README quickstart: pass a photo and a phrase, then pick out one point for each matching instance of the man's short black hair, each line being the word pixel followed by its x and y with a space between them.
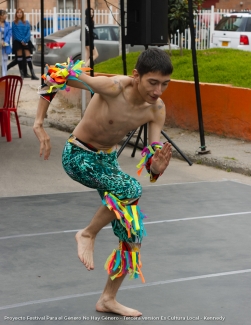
pixel 3 12
pixel 154 60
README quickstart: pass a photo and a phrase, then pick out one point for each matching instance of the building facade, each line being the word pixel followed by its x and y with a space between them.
pixel 237 5
pixel 29 5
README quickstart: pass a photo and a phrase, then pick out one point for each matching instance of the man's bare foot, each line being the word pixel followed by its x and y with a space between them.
pixel 85 245
pixel 112 306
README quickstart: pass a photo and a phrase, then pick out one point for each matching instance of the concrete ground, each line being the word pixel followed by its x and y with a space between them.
pixel 196 257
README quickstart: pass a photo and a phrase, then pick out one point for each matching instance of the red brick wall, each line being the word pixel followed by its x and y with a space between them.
pixel 28 5
pixel 233 4
pixel 101 5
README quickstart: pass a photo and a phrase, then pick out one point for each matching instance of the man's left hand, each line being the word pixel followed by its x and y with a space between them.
pixel 161 158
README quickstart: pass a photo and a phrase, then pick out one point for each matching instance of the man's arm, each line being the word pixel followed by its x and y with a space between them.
pixel 73 74
pixel 106 86
pixel 43 137
pixel 160 159
pixel 157 123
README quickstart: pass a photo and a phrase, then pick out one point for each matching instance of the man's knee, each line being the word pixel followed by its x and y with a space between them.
pixel 133 192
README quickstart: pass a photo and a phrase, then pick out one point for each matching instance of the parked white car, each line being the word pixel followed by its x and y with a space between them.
pixel 233 31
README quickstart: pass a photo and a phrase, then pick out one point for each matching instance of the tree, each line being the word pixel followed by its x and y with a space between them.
pixel 178 18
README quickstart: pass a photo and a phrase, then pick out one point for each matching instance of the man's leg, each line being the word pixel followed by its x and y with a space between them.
pixel 76 163
pixel 107 302
pixel 125 259
pixel 86 237
pixel 85 242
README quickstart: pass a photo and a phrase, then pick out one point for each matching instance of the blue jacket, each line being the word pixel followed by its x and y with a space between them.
pixel 7 37
pixel 21 32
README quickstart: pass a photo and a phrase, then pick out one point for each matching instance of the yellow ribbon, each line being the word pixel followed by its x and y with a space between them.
pixel 136 217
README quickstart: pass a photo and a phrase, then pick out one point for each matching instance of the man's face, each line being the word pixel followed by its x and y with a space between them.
pixel 3 17
pixel 151 85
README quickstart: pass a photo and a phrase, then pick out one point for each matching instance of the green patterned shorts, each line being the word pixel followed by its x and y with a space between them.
pixel 101 171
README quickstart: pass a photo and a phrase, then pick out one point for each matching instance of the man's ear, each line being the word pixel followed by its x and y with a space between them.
pixel 136 75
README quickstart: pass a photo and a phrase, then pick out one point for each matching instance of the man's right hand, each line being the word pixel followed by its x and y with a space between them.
pixel 44 139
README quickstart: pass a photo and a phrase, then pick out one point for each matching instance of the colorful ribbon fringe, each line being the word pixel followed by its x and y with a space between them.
pixel 124 261
pixel 58 74
pixel 147 154
pixel 130 216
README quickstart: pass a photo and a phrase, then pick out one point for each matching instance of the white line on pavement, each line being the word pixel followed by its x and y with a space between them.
pixel 150 284
pixel 146 223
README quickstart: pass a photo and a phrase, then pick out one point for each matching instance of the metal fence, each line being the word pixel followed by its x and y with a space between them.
pixel 54 20
pixel 204 22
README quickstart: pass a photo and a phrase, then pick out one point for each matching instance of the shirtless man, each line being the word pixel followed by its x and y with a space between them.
pixel 120 104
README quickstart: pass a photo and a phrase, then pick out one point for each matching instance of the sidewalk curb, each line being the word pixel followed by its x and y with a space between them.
pixel 29 121
pixel 211 161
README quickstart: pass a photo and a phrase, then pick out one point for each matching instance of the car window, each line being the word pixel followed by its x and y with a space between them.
pixel 103 33
pixel 64 32
pixel 233 24
pixel 248 25
pixel 116 33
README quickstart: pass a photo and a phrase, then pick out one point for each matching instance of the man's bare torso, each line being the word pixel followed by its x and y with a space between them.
pixel 108 119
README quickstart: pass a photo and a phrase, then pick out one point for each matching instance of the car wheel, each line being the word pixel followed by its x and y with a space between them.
pixel 78 57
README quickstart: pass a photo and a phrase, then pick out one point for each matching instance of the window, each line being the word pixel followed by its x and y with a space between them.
pixel 103 33
pixel 116 32
pixel 232 24
pixel 66 5
pixel 12 4
pixel 248 26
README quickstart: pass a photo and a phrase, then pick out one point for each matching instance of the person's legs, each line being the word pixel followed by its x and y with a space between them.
pixel 101 171
pixel 107 302
pixel 87 56
pixel 29 62
pixel 12 63
pixel 20 62
pixel 85 238
pixel 122 199
pixel 26 75
pixel 95 53
pixel 85 167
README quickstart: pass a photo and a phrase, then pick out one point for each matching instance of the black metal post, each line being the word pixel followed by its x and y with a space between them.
pixel 177 148
pixel 123 46
pixel 42 38
pixel 136 145
pixel 196 79
pixel 126 142
pixel 91 41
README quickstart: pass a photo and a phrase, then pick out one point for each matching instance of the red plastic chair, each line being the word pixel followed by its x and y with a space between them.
pixel 11 87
